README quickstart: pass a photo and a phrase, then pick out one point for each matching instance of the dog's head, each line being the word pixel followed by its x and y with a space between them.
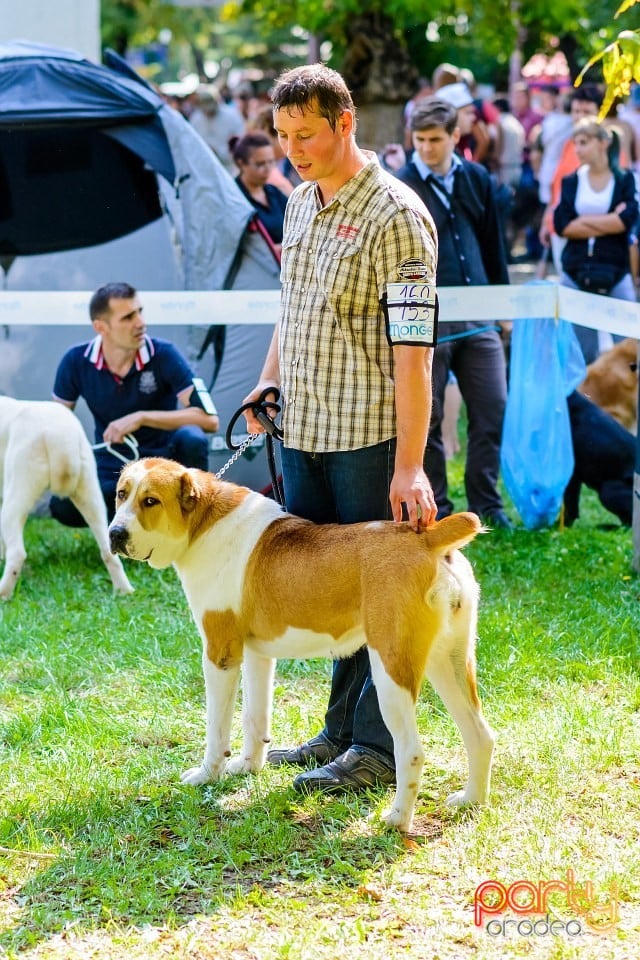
pixel 157 502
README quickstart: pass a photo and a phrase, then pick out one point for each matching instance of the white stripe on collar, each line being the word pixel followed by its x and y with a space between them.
pixel 95 354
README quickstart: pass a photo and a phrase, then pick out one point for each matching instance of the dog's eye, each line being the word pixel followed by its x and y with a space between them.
pixel 120 495
pixel 150 501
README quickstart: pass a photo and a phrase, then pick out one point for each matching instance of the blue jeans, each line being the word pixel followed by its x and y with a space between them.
pixel 188 445
pixel 346 487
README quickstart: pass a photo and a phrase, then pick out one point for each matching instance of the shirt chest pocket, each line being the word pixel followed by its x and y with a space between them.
pixel 339 270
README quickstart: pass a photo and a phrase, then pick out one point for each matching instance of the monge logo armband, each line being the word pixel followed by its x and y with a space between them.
pixel 411 314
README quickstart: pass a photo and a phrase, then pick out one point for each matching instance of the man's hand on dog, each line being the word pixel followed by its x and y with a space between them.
pixel 411 487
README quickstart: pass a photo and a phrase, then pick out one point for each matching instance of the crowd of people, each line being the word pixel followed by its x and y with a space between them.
pixel 364 241
pixel 523 139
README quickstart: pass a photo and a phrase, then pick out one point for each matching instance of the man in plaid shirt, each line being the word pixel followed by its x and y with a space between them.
pixel 352 357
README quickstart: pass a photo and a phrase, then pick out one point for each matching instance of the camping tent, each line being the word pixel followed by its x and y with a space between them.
pixel 101 180
pixel 89 154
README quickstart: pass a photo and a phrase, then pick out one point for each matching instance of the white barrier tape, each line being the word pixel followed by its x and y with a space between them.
pixel 599 313
pixel 203 308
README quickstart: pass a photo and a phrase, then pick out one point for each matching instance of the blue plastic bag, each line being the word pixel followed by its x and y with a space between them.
pixel 537 453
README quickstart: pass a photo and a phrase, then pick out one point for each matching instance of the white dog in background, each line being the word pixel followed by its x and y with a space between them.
pixel 43 446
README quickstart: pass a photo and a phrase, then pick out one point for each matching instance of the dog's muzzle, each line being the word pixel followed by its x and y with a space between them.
pixel 118 537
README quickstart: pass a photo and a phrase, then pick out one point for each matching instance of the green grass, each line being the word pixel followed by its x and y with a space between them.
pixel 101 708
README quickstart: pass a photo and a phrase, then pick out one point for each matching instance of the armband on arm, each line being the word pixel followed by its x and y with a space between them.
pixel 411 314
pixel 200 397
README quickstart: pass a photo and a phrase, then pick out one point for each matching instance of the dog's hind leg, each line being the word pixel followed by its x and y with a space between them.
pixel 257 697
pixel 451 670
pixel 12 520
pixel 89 501
pixel 20 491
pixel 398 709
pixel 221 690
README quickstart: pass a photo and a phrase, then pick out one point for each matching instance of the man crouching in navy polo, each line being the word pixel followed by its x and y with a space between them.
pixel 135 387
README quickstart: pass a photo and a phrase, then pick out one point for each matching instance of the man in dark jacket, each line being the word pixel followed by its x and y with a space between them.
pixel 460 197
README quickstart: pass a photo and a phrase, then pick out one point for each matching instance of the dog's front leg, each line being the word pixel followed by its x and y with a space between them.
pixel 257 697
pixel 221 688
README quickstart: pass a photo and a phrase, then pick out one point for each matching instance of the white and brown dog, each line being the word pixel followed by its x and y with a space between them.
pixel 43 446
pixel 263 584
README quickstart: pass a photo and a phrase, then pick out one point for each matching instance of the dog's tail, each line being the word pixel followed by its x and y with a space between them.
pixel 454 532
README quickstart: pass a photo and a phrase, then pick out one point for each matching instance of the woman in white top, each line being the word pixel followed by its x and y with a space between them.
pixel 597 213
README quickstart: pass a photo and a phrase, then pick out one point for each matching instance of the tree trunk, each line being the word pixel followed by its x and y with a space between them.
pixel 198 59
pixel 569 46
pixel 381 77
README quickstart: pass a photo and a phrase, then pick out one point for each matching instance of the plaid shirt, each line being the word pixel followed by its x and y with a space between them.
pixel 336 364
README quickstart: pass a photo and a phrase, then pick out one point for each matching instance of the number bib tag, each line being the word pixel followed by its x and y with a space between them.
pixel 411 313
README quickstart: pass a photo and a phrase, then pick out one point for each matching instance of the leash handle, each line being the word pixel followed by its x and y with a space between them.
pixel 259 408
pixel 128 440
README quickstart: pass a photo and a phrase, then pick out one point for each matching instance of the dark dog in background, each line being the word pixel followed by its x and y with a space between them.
pixel 604 455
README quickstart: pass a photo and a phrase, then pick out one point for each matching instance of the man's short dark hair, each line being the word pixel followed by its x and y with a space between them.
pixel 313 87
pixel 99 303
pixel 588 93
pixel 433 112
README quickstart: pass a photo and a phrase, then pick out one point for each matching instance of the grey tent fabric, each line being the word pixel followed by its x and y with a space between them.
pixel 101 180
pixel 63 187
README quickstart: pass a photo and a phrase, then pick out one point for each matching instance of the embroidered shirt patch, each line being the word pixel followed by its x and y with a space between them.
pixel 347 232
pixel 412 269
pixel 147 382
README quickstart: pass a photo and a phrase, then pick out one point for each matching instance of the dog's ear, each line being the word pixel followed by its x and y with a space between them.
pixel 189 493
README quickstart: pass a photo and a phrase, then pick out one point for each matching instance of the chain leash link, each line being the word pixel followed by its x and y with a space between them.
pixel 238 453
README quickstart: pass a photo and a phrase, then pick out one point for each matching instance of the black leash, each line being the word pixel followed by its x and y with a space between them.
pixel 259 408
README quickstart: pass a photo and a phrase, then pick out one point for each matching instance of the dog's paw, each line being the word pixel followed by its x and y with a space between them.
pixel 198 775
pixel 461 798
pixel 243 764
pixel 399 819
pixel 123 589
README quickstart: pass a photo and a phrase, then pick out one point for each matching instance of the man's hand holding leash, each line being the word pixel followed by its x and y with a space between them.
pixel 265 390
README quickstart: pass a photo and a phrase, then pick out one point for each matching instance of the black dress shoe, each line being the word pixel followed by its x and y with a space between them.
pixel 316 750
pixel 354 770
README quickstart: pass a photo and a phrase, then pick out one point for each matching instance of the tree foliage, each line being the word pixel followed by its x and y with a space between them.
pixel 199 35
pixel 481 34
pixel 620 62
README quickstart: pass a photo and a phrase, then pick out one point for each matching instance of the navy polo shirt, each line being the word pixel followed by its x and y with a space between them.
pixel 158 374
